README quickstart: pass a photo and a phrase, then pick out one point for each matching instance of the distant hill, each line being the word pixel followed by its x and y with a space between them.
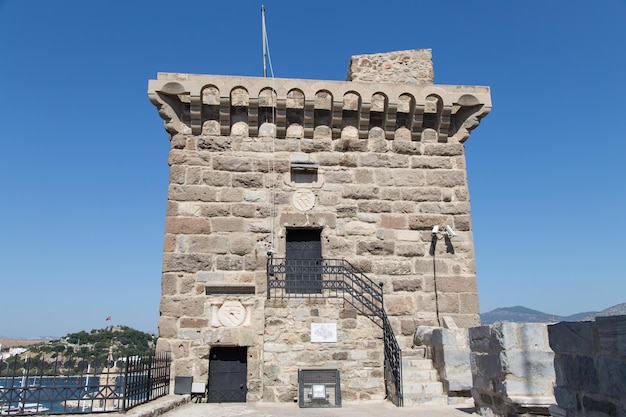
pixel 522 314
pixel 93 345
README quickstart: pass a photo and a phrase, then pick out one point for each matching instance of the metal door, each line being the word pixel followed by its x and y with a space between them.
pixel 304 261
pixel 228 371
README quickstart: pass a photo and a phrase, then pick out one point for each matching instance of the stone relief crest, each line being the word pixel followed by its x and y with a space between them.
pixel 303 200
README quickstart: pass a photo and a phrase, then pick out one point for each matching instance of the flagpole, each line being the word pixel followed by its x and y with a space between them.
pixel 264 41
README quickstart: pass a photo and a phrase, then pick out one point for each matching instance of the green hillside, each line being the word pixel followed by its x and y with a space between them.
pixel 94 345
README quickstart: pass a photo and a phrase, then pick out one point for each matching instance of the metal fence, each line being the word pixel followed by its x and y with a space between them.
pixel 37 385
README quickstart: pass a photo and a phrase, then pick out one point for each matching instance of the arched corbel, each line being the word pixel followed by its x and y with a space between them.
pixel 467 113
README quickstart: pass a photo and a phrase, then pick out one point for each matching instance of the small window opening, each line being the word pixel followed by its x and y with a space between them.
pixel 303 174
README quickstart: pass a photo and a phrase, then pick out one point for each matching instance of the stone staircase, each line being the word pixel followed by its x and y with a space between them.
pixel 420 383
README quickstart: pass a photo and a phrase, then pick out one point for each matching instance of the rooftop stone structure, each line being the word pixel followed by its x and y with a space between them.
pixel 279 183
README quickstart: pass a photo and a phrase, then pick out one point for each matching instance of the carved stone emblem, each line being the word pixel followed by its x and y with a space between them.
pixel 303 200
pixel 232 314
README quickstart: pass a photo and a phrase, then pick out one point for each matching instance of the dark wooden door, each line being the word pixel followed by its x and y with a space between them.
pixel 304 259
pixel 228 374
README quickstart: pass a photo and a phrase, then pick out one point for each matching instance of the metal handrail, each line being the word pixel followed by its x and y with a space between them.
pixel 338 278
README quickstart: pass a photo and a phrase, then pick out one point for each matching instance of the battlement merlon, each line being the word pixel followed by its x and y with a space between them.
pixel 254 106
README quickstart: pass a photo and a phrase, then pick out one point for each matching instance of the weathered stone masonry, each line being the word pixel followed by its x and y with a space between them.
pixel 385 163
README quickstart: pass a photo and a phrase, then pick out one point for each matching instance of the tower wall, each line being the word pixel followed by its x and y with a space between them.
pixel 383 163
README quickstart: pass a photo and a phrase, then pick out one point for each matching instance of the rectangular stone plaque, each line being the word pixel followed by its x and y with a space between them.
pixel 323 332
pixel 229 289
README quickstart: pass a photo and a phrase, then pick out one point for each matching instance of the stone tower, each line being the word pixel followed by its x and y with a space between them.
pixel 300 222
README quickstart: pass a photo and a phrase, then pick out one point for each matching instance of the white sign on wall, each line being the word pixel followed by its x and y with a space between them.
pixel 323 332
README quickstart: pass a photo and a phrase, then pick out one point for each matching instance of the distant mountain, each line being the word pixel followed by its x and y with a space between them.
pixel 522 314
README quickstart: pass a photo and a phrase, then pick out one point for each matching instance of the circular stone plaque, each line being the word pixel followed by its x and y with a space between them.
pixel 231 314
pixel 303 200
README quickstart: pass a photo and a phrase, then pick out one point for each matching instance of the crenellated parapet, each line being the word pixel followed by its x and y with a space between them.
pixel 293 108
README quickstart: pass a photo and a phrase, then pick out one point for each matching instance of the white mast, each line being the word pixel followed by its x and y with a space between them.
pixel 264 41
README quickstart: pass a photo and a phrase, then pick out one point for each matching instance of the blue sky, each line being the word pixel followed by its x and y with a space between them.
pixel 84 153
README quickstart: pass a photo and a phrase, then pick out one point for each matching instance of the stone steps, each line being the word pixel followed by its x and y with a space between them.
pixel 420 384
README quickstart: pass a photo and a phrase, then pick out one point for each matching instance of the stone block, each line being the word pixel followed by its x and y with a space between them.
pixel 443 149
pixel 612 334
pixel 375 247
pixel 210 277
pixel 168 327
pixel 565 398
pixel 390 193
pixel 457 358
pixel 410 249
pixel 534 337
pixel 216 178
pixel 431 162
pixel 572 337
pixel 612 373
pixel 528 364
pixel 392 267
pixel 412 67
pixel 448 303
pixel 339 177
pixel 394 221
pixel 232 163
pixel 194 323
pixel 360 192
pixel 169 284
pixel 487 364
pixel 214 210
pixel 538 388
pixel 230 195
pixel 240 244
pixel 180 262
pixel 421 194
pixel 577 372
pixel 178 306
pixel 192 193
pixel 229 262
pixel 374 206
pixel 186 157
pixel 447 178
pixel 403 207
pixel 407 284
pixel 208 244
pixel 469 303
pixel 399 305
pixel 425 221
pixel 481 383
pixel 187 225
pixel 227 224
pixel 408 178
pixel 360 228
pixel 255 196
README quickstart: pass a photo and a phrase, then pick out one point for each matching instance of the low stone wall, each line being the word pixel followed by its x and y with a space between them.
pixel 512 369
pixel 590 364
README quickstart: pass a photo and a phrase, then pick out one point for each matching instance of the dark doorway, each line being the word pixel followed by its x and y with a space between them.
pixel 228 375
pixel 304 261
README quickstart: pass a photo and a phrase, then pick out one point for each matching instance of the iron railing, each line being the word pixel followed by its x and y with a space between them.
pixel 72 386
pixel 338 278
